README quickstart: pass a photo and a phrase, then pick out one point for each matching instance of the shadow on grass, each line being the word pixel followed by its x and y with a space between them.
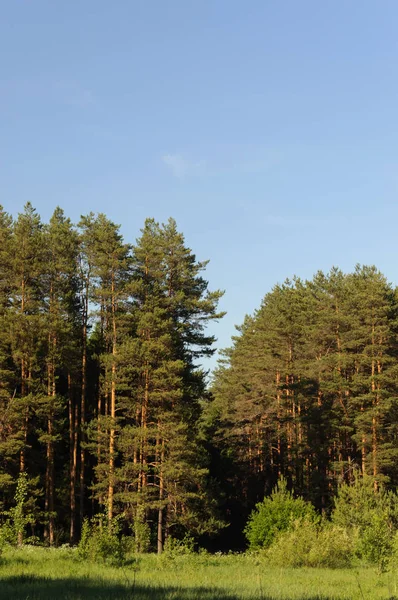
pixel 40 588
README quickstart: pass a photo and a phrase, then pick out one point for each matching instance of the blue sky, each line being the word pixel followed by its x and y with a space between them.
pixel 267 129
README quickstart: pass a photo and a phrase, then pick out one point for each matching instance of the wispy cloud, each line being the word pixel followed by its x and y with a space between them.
pixel 221 160
pixel 182 167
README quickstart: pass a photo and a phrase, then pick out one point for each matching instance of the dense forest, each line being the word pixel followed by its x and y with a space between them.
pixel 106 407
pixel 309 390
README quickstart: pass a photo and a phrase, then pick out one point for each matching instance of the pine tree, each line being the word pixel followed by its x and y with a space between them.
pixel 27 330
pixel 9 442
pixel 26 313
pixel 86 227
pixel 62 329
pixel 110 264
pixel 171 307
pixel 373 351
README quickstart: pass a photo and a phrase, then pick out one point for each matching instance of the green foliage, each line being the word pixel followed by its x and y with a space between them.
pixel 14 528
pixel 393 558
pixel 363 526
pixel 356 503
pixel 375 544
pixel 6 536
pixel 371 517
pixel 309 387
pixel 174 548
pixel 142 536
pixel 309 544
pixel 100 352
pixel 101 541
pixel 275 514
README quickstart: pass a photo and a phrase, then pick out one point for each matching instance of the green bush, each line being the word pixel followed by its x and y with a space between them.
pixel 310 544
pixel 13 530
pixel 7 535
pixel 371 517
pixel 3 541
pixel 142 536
pixel 375 543
pixel 101 542
pixel 174 548
pixel 276 514
pixel 393 558
pixel 176 551
pixel 356 503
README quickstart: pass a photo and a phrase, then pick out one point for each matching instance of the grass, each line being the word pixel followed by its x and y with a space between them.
pixel 57 574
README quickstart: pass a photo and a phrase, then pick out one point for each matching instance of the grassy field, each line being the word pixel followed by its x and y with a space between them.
pixel 40 573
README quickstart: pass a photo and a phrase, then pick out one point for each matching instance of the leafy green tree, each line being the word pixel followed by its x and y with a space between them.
pixel 275 514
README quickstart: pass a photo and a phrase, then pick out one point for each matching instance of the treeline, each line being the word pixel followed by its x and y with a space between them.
pixel 104 405
pixel 100 392
pixel 309 390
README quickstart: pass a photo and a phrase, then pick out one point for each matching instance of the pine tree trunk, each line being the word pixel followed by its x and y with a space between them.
pixel 25 421
pixel 51 481
pixel 49 502
pixel 23 391
pixel 375 428
pixel 83 408
pixel 363 452
pixel 278 420
pixel 73 460
pixel 343 442
pixel 144 410
pixel 113 410
pixel 99 413
pixel 161 497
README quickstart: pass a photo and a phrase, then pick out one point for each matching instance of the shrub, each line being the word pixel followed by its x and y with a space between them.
pixel 3 540
pixel 371 516
pixel 175 552
pixel 276 514
pixel 310 544
pixel 7 534
pixel 174 548
pixel 393 558
pixel 376 540
pixel 142 536
pixel 356 503
pixel 101 541
pixel 14 528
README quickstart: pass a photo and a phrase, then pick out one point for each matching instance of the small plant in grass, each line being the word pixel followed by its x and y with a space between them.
pixel 276 514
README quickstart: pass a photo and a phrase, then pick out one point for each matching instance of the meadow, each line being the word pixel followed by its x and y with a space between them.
pixel 32 573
